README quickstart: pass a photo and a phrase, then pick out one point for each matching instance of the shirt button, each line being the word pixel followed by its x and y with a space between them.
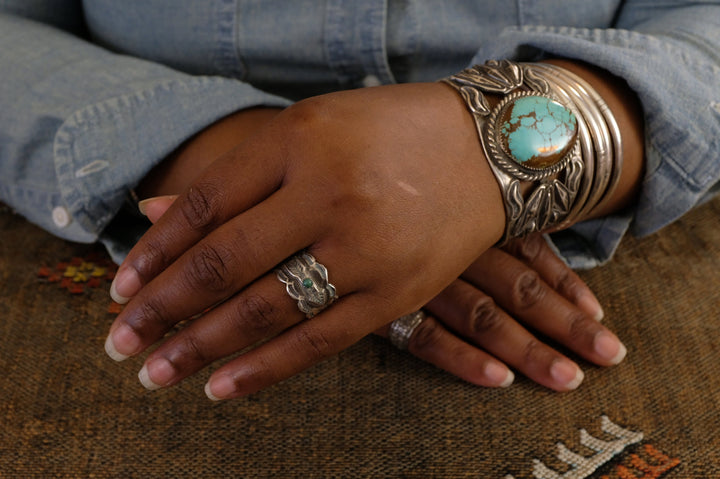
pixel 371 80
pixel 61 217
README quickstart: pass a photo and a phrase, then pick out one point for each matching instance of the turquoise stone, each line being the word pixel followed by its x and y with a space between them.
pixel 537 131
pixel 307 282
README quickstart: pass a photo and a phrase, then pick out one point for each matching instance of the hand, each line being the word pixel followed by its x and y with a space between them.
pixel 471 335
pixel 475 327
pixel 387 187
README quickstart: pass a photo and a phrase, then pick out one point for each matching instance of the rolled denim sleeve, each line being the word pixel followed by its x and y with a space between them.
pixel 63 14
pixel 669 54
pixel 82 126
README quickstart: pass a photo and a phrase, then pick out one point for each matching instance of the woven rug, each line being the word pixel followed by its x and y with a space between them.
pixel 67 410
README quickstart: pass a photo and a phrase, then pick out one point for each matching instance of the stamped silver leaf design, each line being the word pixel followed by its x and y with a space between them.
pixel 475 100
pixel 498 76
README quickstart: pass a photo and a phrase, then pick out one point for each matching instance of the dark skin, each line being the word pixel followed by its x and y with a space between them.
pixel 331 175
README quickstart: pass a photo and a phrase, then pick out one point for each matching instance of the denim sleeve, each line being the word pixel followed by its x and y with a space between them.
pixel 82 126
pixel 669 54
pixel 63 14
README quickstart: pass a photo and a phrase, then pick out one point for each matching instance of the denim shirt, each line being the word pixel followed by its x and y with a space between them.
pixel 95 93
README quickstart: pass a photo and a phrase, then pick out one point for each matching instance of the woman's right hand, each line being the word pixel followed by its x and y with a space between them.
pixel 386 186
pixel 484 325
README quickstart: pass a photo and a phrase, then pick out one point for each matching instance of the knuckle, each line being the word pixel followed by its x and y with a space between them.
pixel 262 372
pixel 305 121
pixel 254 314
pixel 316 343
pixel 200 207
pixel 151 316
pixel 152 260
pixel 527 249
pixel 580 326
pixel 426 335
pixel 485 316
pixel 210 267
pixel 527 290
pixel 191 351
pixel 308 114
pixel 567 284
pixel 532 352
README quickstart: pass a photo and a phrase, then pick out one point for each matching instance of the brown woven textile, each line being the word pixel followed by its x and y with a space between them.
pixel 69 411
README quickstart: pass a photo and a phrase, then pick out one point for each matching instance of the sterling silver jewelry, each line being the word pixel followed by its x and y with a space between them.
pixel 306 281
pixel 603 129
pixel 402 328
pixel 551 142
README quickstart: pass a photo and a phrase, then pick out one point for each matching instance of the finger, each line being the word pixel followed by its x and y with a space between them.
pixel 475 316
pixel 155 207
pixel 431 342
pixel 536 253
pixel 259 312
pixel 521 292
pixel 237 181
pixel 298 348
pixel 216 268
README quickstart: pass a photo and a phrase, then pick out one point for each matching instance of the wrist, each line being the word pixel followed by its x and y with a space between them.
pixel 626 109
pixel 552 141
pixel 490 209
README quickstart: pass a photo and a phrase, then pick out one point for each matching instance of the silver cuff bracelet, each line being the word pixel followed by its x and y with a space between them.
pixel 551 142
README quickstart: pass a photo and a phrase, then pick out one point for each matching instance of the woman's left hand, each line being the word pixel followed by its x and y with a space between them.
pixel 487 321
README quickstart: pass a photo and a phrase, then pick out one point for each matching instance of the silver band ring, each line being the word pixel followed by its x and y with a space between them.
pixel 402 328
pixel 306 281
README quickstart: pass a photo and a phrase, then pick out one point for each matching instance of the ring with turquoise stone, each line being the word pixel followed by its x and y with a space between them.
pixel 306 281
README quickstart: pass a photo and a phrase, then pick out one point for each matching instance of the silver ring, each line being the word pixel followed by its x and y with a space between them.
pixel 306 281
pixel 402 328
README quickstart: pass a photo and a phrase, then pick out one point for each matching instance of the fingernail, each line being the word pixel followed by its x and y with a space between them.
pixel 499 375
pixel 162 373
pixel 589 303
pixel 567 374
pixel 220 387
pixel 609 347
pixel 112 352
pixel 125 285
pixel 209 393
pixel 143 205
pixel 145 380
pixel 122 343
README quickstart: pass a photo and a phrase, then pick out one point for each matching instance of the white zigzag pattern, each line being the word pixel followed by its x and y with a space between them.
pixel 582 467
